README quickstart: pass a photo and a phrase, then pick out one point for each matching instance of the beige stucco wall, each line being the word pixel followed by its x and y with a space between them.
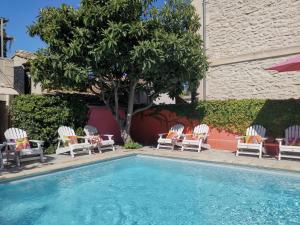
pixel 243 38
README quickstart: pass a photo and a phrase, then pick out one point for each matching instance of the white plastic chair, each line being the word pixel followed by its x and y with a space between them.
pixel 201 129
pixel 168 142
pixel 65 132
pixel 252 148
pixel 108 143
pixel 287 150
pixel 27 154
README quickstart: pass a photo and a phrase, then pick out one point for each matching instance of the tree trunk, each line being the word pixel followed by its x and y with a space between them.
pixel 125 129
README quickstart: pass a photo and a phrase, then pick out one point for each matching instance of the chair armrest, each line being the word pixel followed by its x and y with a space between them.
pixel 10 143
pixel 280 140
pixel 162 134
pixel 109 136
pixel 239 137
pixel 37 141
pixel 263 139
pixel 84 137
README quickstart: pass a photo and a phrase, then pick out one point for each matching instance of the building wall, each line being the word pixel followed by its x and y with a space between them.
pixel 243 38
pixel 6 81
pixel 6 73
pixel 250 80
pixel 19 74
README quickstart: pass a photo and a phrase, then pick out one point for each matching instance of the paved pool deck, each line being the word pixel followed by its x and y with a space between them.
pixel 59 162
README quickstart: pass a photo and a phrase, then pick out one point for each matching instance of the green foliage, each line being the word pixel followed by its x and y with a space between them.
pixel 132 145
pixel 41 116
pixel 236 115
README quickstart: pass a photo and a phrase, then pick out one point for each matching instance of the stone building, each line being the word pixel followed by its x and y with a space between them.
pixel 243 38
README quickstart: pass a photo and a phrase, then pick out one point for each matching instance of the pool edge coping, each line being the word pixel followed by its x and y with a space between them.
pixel 137 153
pixel 54 170
pixel 278 170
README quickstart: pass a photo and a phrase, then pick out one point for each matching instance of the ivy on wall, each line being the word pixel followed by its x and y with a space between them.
pixel 236 115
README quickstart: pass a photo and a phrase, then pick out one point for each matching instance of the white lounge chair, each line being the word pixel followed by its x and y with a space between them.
pixel 67 147
pixel 12 135
pixel 288 150
pixel 252 148
pixel 194 141
pixel 167 142
pixel 93 133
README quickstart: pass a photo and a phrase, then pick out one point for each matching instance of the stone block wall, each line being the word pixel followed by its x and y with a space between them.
pixel 250 80
pixel 237 27
pixel 243 38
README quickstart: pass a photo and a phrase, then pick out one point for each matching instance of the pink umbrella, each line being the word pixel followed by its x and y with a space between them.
pixel 292 64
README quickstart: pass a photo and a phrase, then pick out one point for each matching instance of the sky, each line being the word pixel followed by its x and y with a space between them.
pixel 22 13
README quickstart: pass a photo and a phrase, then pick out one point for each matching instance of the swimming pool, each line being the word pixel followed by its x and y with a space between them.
pixel 142 190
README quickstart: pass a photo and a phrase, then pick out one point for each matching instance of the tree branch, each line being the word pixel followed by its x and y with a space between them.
pixel 142 109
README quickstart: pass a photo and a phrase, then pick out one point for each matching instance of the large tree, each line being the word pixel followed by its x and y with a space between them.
pixel 118 47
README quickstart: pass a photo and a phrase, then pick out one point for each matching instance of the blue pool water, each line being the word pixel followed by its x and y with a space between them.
pixel 142 190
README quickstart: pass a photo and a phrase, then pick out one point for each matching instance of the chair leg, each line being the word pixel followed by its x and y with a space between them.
pixel 42 156
pixel 113 148
pixel 200 144
pixel 158 146
pixel 18 159
pixel 173 146
pixel 279 155
pixel 90 151
pixel 237 152
pixel 260 153
pixel 72 153
pixel 182 148
pixel 199 148
pixel 1 160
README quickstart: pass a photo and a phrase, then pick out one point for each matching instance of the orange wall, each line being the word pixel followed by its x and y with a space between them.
pixel 146 126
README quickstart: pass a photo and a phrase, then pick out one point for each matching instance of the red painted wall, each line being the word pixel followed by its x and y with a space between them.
pixel 103 120
pixel 148 124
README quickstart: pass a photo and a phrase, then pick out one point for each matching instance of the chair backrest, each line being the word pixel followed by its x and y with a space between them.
pixel 14 133
pixel 90 130
pixel 292 132
pixel 201 129
pixel 64 131
pixel 178 128
pixel 255 130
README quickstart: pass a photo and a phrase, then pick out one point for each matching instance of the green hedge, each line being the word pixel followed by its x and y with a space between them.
pixel 236 115
pixel 41 116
